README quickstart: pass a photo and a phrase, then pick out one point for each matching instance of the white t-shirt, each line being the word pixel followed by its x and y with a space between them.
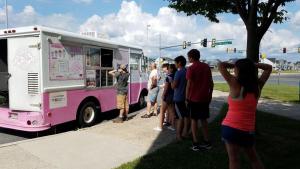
pixel 154 73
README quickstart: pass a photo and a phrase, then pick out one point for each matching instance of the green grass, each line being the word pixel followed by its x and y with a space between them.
pixel 286 71
pixel 283 93
pixel 278 146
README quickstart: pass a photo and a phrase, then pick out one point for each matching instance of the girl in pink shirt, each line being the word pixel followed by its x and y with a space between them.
pixel 239 124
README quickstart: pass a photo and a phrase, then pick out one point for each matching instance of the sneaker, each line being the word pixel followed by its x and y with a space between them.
pixel 206 145
pixel 166 124
pixel 125 118
pixel 147 115
pixel 157 129
pixel 195 147
pixel 118 120
pixel 171 128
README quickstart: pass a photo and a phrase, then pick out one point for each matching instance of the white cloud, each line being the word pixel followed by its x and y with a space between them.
pixel 83 1
pixel 129 25
pixel 29 16
pixel 295 20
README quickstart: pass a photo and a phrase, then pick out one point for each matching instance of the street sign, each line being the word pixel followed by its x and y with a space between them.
pixel 224 43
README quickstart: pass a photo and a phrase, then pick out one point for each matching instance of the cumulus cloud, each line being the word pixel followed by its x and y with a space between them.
pixel 296 20
pixel 129 25
pixel 29 16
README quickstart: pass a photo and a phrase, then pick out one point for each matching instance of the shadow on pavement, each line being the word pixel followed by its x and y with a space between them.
pixel 15 135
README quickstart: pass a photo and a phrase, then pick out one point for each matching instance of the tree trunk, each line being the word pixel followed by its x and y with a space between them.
pixel 253 44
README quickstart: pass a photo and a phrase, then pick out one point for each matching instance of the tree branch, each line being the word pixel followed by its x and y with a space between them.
pixel 265 26
pixel 267 11
pixel 241 10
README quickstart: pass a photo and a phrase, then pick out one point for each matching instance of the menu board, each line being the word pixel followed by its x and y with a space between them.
pixel 65 62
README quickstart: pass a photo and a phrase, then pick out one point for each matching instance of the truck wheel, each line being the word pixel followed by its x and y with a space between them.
pixel 142 101
pixel 87 114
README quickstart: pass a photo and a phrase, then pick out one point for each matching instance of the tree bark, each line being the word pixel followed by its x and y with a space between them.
pixel 253 44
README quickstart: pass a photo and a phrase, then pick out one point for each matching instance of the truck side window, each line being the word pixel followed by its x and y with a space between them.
pixel 107 56
pixel 92 67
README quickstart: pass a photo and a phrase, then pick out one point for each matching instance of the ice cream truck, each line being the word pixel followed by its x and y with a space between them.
pixel 49 77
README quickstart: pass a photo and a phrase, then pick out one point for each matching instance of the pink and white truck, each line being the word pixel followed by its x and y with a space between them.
pixel 49 77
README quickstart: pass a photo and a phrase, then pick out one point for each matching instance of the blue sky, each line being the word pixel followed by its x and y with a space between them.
pixel 127 21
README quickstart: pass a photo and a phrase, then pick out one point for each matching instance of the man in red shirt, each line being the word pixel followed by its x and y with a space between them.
pixel 199 94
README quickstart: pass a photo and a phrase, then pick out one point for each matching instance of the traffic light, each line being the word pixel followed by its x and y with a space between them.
pixel 213 43
pixel 234 50
pixel 205 42
pixel 184 45
pixel 284 50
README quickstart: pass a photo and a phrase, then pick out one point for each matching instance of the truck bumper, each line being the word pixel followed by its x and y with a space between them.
pixel 21 120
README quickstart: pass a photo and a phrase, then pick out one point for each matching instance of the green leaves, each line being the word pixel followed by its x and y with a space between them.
pixel 211 8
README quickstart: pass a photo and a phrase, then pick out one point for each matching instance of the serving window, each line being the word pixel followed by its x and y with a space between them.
pixel 98 63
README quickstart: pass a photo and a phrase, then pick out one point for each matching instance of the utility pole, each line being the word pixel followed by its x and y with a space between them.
pixel 148 26
pixel 159 45
pixel 6 13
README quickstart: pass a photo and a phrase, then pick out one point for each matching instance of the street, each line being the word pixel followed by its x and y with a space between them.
pixel 287 79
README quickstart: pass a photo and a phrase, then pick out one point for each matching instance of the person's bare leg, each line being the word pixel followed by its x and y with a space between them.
pixel 179 125
pixel 122 113
pixel 187 126
pixel 149 105
pixel 163 109
pixel 253 157
pixel 171 112
pixel 155 108
pixel 194 126
pixel 233 155
pixel 204 126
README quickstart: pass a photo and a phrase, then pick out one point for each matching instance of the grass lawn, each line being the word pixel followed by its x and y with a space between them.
pixel 286 71
pixel 278 146
pixel 283 93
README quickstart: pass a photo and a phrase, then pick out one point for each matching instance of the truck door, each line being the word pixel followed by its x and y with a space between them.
pixel 24 69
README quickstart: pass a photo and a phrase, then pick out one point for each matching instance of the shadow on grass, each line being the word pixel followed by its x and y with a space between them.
pixel 277 144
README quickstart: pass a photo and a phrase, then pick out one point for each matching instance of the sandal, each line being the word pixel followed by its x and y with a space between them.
pixel 145 116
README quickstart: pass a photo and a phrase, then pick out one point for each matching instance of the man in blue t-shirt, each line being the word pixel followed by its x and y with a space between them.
pixel 179 85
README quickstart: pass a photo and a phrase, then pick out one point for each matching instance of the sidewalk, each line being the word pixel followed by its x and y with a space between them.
pixel 103 146
pixel 289 110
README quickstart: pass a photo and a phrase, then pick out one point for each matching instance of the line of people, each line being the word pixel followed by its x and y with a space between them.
pixel 188 93
pixel 184 98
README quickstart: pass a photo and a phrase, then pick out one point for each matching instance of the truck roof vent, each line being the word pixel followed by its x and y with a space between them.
pixel 33 83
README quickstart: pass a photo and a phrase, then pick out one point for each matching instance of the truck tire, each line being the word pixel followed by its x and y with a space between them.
pixel 142 101
pixel 87 114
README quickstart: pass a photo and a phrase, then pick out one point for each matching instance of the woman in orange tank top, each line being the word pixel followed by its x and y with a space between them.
pixel 239 124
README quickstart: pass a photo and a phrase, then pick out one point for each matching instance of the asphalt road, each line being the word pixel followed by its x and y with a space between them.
pixel 288 79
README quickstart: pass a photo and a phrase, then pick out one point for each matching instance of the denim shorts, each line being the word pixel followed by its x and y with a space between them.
pixel 152 95
pixel 238 137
